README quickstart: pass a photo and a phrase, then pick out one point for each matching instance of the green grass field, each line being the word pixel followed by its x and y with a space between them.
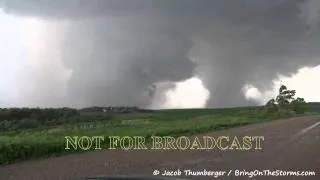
pixel 50 141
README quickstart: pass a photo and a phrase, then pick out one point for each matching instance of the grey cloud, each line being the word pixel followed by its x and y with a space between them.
pixel 117 49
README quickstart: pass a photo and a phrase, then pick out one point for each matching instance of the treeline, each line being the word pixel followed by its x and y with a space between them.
pixel 314 106
pixel 26 118
pixel 36 113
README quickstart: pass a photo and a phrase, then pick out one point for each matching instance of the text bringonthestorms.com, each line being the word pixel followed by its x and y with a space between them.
pixel 235 173
pixel 222 143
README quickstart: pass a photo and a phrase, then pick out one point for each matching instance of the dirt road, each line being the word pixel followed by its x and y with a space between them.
pixel 290 144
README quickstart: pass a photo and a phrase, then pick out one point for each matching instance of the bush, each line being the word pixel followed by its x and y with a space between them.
pixel 5 125
pixel 299 106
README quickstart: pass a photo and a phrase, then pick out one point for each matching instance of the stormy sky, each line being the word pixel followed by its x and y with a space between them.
pixel 136 52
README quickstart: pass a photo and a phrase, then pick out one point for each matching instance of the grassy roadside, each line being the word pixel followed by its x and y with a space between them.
pixel 43 142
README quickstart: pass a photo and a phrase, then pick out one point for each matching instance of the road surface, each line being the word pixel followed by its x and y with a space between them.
pixel 289 144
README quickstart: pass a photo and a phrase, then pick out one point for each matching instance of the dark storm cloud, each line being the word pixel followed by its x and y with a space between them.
pixel 118 49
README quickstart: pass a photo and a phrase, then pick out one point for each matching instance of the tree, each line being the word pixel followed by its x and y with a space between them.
pixel 285 96
pixel 285 101
pixel 271 106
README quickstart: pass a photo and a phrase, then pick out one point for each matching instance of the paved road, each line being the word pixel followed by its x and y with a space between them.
pixel 290 144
